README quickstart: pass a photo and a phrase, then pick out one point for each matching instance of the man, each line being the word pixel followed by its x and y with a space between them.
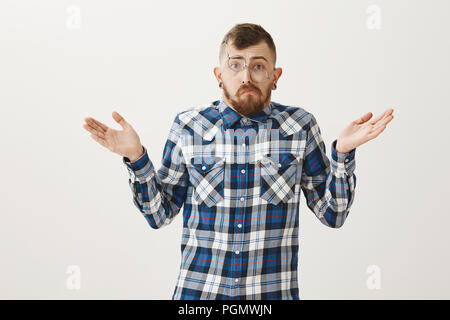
pixel 237 165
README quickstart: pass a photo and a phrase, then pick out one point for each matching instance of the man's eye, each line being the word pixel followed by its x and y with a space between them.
pixel 259 67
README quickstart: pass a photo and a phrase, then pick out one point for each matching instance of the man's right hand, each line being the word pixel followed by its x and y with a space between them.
pixel 125 142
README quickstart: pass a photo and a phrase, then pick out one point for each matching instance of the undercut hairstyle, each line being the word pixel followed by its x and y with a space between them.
pixel 244 35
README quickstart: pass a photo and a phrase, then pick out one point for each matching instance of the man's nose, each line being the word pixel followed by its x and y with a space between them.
pixel 246 77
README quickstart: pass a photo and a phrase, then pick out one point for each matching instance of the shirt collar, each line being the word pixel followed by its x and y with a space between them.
pixel 230 116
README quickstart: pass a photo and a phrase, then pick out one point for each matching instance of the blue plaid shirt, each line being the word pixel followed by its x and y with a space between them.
pixel 239 179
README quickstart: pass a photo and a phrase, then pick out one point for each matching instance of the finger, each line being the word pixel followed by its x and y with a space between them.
pixel 384 121
pixel 97 123
pixel 364 118
pixel 381 116
pixel 93 130
pixel 375 120
pixel 376 132
pixel 119 119
pixel 89 128
pixel 99 140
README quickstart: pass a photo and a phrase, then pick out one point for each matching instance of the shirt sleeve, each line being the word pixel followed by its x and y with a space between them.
pixel 159 195
pixel 329 188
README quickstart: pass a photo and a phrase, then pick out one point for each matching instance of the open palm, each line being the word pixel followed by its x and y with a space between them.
pixel 360 131
pixel 124 142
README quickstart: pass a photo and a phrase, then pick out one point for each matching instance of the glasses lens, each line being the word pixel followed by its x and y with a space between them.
pixel 236 64
pixel 259 72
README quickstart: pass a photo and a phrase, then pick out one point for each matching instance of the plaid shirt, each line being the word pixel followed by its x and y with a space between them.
pixel 239 180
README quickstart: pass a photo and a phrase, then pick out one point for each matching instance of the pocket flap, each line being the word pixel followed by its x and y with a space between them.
pixel 287 159
pixel 206 164
pixel 278 160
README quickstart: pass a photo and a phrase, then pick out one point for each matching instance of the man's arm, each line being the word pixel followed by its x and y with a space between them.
pixel 329 188
pixel 159 195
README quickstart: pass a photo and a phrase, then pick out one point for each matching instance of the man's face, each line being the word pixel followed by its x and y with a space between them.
pixel 236 84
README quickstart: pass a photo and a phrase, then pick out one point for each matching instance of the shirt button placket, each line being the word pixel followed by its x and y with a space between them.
pixel 239 235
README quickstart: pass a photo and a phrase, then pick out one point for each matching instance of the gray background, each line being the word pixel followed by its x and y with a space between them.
pixel 65 199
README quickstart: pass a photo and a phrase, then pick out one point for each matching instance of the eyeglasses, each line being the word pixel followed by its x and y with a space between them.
pixel 258 69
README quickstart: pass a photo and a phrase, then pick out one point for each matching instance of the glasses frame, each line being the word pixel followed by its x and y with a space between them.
pixel 246 67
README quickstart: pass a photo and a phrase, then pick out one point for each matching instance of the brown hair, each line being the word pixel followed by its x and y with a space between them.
pixel 244 35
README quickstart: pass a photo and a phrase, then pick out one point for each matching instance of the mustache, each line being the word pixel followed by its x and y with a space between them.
pixel 243 88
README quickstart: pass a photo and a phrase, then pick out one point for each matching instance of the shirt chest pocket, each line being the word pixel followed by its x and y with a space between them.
pixel 206 174
pixel 278 177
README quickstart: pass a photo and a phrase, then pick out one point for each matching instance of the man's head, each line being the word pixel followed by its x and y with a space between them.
pixel 247 60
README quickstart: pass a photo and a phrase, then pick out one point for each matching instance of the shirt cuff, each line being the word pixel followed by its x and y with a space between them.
pixel 140 170
pixel 342 162
pixel 134 164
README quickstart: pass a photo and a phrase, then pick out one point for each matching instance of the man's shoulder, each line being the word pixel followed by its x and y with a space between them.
pixel 207 106
pixel 203 109
pixel 291 118
pixel 200 119
pixel 287 110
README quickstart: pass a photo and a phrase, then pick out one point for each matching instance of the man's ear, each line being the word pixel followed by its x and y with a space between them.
pixel 218 73
pixel 277 74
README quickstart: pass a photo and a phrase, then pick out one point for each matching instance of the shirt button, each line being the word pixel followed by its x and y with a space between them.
pixel 242 199
pixel 203 168
pixel 236 280
pixel 237 252
pixel 239 225
pixel 243 144
pixel 347 160
pixel 279 165
pixel 243 170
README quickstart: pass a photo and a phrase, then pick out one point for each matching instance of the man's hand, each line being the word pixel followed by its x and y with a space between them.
pixel 360 131
pixel 125 143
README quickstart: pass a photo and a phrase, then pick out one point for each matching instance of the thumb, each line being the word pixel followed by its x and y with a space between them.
pixel 119 119
pixel 364 118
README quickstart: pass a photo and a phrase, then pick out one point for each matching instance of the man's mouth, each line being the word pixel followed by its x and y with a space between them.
pixel 249 91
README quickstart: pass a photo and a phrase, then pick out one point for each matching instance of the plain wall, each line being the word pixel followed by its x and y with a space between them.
pixel 65 200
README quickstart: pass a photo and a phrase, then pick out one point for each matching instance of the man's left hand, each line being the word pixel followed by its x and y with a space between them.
pixel 360 131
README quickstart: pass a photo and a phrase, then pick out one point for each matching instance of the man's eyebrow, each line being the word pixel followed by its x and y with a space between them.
pixel 254 57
